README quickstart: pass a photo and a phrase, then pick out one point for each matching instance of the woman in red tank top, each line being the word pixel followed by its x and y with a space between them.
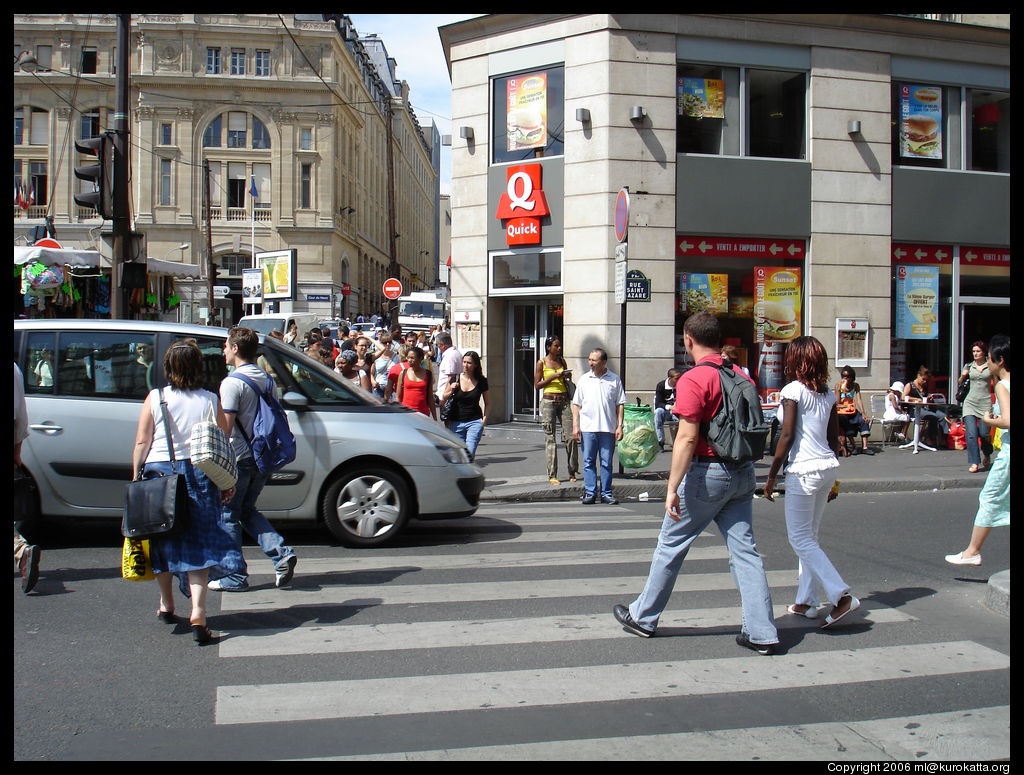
pixel 414 385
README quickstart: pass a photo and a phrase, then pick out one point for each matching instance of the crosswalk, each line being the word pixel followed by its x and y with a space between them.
pixel 504 620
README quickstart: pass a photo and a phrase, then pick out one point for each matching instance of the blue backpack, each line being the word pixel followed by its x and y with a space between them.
pixel 272 443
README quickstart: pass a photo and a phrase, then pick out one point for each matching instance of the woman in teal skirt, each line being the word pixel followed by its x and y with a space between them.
pixel 994 500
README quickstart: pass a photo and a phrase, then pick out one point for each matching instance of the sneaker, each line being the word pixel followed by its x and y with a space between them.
pixel 219 585
pixel 768 649
pixel 609 499
pixel 29 567
pixel 284 575
pixel 623 617
pixel 867 451
pixel 588 499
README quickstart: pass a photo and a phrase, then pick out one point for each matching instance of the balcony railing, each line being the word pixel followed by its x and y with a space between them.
pixel 35 211
pixel 262 214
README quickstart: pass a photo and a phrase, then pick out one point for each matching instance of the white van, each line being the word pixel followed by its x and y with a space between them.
pixel 280 321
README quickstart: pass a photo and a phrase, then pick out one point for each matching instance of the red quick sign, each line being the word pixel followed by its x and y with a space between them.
pixel 523 204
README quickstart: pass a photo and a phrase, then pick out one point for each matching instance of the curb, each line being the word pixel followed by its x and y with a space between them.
pixel 998 595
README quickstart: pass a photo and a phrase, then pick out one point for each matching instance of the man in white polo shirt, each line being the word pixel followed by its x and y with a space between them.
pixel 597 411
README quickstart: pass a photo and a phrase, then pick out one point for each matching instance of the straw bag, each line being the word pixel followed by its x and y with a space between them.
pixel 212 452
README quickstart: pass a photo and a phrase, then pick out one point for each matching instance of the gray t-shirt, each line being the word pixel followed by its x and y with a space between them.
pixel 238 398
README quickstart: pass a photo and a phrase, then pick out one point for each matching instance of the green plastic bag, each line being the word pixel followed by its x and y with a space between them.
pixel 639 445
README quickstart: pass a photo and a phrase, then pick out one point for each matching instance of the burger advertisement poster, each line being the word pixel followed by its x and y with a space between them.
pixel 777 294
pixel 920 122
pixel 527 106
pixel 917 302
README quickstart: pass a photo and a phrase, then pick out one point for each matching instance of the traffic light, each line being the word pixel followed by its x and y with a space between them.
pixel 101 174
pixel 214 272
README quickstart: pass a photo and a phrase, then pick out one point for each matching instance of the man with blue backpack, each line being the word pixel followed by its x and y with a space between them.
pixel 262 446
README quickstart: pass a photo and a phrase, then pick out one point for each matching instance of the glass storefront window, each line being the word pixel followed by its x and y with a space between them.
pixel 710 113
pixel 529 115
pixel 907 355
pixel 525 272
pixel 990 130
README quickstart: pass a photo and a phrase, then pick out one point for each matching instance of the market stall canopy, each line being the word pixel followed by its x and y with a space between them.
pixel 55 257
pixel 92 258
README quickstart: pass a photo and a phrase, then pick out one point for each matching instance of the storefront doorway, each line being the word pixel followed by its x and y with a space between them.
pixel 530 324
pixel 981 318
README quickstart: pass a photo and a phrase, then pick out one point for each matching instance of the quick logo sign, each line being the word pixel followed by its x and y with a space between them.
pixel 523 205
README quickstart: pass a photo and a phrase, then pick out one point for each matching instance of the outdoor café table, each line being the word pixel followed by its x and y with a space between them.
pixel 918 408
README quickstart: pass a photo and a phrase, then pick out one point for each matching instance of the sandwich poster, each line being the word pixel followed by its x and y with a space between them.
pixel 920 122
pixel 917 302
pixel 701 97
pixel 777 294
pixel 526 104
pixel 704 293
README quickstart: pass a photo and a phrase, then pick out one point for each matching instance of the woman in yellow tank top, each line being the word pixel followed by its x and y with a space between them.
pixel 551 376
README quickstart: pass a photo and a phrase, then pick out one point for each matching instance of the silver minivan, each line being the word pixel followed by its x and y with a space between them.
pixel 363 469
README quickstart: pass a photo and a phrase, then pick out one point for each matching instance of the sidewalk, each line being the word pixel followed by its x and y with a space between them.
pixel 511 455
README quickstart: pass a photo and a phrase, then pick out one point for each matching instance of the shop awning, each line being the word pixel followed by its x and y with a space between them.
pixel 55 257
pixel 92 258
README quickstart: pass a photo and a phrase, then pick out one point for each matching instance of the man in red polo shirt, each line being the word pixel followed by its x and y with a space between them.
pixel 703 489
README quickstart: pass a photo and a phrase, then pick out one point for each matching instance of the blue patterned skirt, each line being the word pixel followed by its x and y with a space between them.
pixel 994 498
pixel 205 544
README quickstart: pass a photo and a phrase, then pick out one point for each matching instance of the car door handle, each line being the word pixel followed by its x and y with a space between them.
pixel 47 427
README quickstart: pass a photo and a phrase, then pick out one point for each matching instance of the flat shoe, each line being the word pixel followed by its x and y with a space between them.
pixel 201 634
pixel 973 469
pixel 810 613
pixel 959 559
pixel 830 620
pixel 553 482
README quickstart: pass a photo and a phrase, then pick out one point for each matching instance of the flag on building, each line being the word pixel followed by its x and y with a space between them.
pixel 252 189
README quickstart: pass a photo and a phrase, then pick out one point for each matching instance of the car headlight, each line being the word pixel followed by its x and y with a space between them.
pixel 452 451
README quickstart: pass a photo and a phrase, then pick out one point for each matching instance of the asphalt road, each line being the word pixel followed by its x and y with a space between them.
pixel 492 638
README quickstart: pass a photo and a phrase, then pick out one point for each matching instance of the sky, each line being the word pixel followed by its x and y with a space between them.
pixel 411 39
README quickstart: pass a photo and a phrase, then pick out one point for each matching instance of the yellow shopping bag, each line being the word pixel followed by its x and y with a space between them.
pixel 135 563
pixel 997 439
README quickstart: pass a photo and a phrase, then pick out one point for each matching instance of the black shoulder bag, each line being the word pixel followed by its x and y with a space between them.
pixel 157 507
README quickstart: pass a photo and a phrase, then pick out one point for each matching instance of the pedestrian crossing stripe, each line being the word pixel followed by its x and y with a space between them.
pixel 248 704
pixel 970 735
pixel 355 594
pixel 355 638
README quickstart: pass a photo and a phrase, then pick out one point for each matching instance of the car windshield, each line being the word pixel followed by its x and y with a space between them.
pixel 294 371
pixel 263 325
pixel 421 309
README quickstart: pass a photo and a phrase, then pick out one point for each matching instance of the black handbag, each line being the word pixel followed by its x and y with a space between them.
pixel 157 507
pixel 963 390
pixel 449 408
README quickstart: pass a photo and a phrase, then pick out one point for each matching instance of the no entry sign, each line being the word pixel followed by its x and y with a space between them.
pixel 392 288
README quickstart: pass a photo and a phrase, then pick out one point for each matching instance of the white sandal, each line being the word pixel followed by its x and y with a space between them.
pixel 830 620
pixel 810 613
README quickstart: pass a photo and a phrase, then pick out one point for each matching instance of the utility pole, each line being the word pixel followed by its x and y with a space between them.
pixel 209 242
pixel 122 213
pixel 393 268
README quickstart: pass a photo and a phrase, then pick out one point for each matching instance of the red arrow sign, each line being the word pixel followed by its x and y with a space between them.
pixel 740 246
pixel 905 253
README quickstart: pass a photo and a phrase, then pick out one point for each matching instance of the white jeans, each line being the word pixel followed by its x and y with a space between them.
pixel 806 496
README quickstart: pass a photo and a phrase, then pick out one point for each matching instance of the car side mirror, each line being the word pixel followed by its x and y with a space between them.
pixel 293 400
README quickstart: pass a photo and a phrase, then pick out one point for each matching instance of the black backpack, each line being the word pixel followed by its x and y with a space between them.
pixel 737 433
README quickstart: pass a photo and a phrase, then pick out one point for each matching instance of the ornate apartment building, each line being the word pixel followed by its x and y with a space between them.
pixel 291 113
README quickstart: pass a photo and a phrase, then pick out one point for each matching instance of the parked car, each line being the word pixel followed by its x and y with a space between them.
pixel 363 468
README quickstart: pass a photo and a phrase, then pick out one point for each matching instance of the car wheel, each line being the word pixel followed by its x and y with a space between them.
pixel 364 507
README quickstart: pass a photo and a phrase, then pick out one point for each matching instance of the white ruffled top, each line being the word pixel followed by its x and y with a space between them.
pixel 810 452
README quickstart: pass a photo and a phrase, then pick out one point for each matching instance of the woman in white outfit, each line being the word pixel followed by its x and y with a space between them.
pixel 808 445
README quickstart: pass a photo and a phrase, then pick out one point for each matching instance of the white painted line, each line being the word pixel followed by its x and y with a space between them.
pixel 247 704
pixel 352 638
pixel 970 735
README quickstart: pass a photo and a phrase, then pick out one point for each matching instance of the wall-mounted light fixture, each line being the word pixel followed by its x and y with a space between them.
pixel 346 210
pixel 583 115
pixel 466 133
pixel 637 113
pixel 853 127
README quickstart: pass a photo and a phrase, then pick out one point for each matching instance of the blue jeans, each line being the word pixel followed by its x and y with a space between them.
pixel 597 447
pixel 722 493
pixel 661 414
pixel 241 514
pixel 976 428
pixel 470 432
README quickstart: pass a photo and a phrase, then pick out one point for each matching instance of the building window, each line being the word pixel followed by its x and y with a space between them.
pixel 165 182
pixel 990 130
pixel 305 139
pixel 529 115
pixel 19 126
pixel 88 60
pixel 526 271
pixel 262 63
pixel 166 134
pixel 237 134
pixel 260 135
pixel 44 56
pixel 238 61
pixel 769 122
pixel 306 187
pixel 213 61
pixel 38 126
pixel 39 181
pixel 236 184
pixel 90 124
pixel 211 137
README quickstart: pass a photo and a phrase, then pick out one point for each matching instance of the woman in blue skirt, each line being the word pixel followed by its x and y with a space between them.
pixel 205 550
pixel 994 500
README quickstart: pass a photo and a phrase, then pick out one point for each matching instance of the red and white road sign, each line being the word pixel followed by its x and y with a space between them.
pixel 46 242
pixel 392 288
